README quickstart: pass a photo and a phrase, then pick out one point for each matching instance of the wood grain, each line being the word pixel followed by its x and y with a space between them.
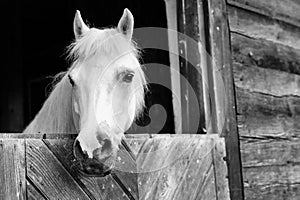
pixel 165 167
pixel 181 168
pixel 266 81
pixel 284 10
pixel 271 167
pixel 96 187
pixel 265 152
pixel 256 25
pixel 33 193
pixel 265 54
pixel 12 169
pixel 220 170
pixel 225 93
pixel 48 174
pixel 263 114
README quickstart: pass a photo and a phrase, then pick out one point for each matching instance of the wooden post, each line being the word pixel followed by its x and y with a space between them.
pixel 171 6
pixel 225 94
pixel 190 67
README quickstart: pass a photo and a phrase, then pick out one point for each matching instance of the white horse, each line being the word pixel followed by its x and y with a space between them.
pixel 99 96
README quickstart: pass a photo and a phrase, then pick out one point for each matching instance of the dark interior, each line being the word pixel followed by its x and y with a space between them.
pixel 37 35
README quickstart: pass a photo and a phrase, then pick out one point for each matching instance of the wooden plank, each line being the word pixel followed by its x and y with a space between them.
pixel 220 169
pixel 267 152
pixel 33 193
pixel 96 187
pixel 48 174
pixel 284 10
pixel 226 105
pixel 266 81
pixel 182 165
pixel 258 26
pixel 272 192
pixel 195 177
pixel 263 179
pixel 171 9
pixel 208 190
pixel 192 100
pixel 265 54
pixel 135 142
pixel 271 167
pixel 12 169
pixel 266 115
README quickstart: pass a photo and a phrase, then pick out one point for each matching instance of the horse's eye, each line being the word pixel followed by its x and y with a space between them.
pixel 127 78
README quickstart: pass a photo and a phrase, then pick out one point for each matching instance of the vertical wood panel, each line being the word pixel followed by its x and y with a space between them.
pixel 225 93
pixel 190 67
pixel 171 7
pixel 220 170
pixel 12 169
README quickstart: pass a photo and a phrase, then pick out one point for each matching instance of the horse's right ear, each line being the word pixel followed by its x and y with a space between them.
pixel 79 26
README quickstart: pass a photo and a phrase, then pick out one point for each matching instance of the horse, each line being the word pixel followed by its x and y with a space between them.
pixel 99 96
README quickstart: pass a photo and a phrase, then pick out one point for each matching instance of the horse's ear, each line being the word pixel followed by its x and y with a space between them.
pixel 79 26
pixel 126 23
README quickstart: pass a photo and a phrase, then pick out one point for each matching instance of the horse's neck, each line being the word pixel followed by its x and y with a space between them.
pixel 56 114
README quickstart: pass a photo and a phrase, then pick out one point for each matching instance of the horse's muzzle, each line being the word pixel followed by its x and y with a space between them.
pixel 92 166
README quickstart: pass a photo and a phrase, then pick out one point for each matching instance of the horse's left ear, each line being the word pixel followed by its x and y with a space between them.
pixel 79 26
pixel 126 23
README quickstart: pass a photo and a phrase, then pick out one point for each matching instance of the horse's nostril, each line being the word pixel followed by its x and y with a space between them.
pixel 77 151
pixel 107 146
pixel 104 152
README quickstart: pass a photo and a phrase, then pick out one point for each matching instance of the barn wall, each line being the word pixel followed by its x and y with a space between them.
pixel 265 40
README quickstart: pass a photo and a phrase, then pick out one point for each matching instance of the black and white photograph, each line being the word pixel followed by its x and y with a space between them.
pixel 150 100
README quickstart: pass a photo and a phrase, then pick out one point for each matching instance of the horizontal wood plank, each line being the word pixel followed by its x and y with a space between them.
pixel 266 81
pixel 284 10
pixel 273 192
pixel 265 54
pixel 265 115
pixel 271 168
pixel 266 152
pixel 270 176
pixel 256 25
pixel 12 169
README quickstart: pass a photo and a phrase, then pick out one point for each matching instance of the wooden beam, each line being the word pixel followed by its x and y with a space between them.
pixel 192 99
pixel 255 25
pixel 12 169
pixel 284 10
pixel 271 167
pixel 225 93
pixel 171 7
pixel 264 54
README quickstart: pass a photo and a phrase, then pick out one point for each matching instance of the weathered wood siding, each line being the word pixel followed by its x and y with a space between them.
pixel 148 167
pixel 265 40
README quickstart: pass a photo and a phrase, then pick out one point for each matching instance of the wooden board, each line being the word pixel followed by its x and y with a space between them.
pixel 284 10
pixel 255 25
pixel 265 54
pixel 12 169
pixel 264 115
pixel 224 91
pixel 159 167
pixel 265 175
